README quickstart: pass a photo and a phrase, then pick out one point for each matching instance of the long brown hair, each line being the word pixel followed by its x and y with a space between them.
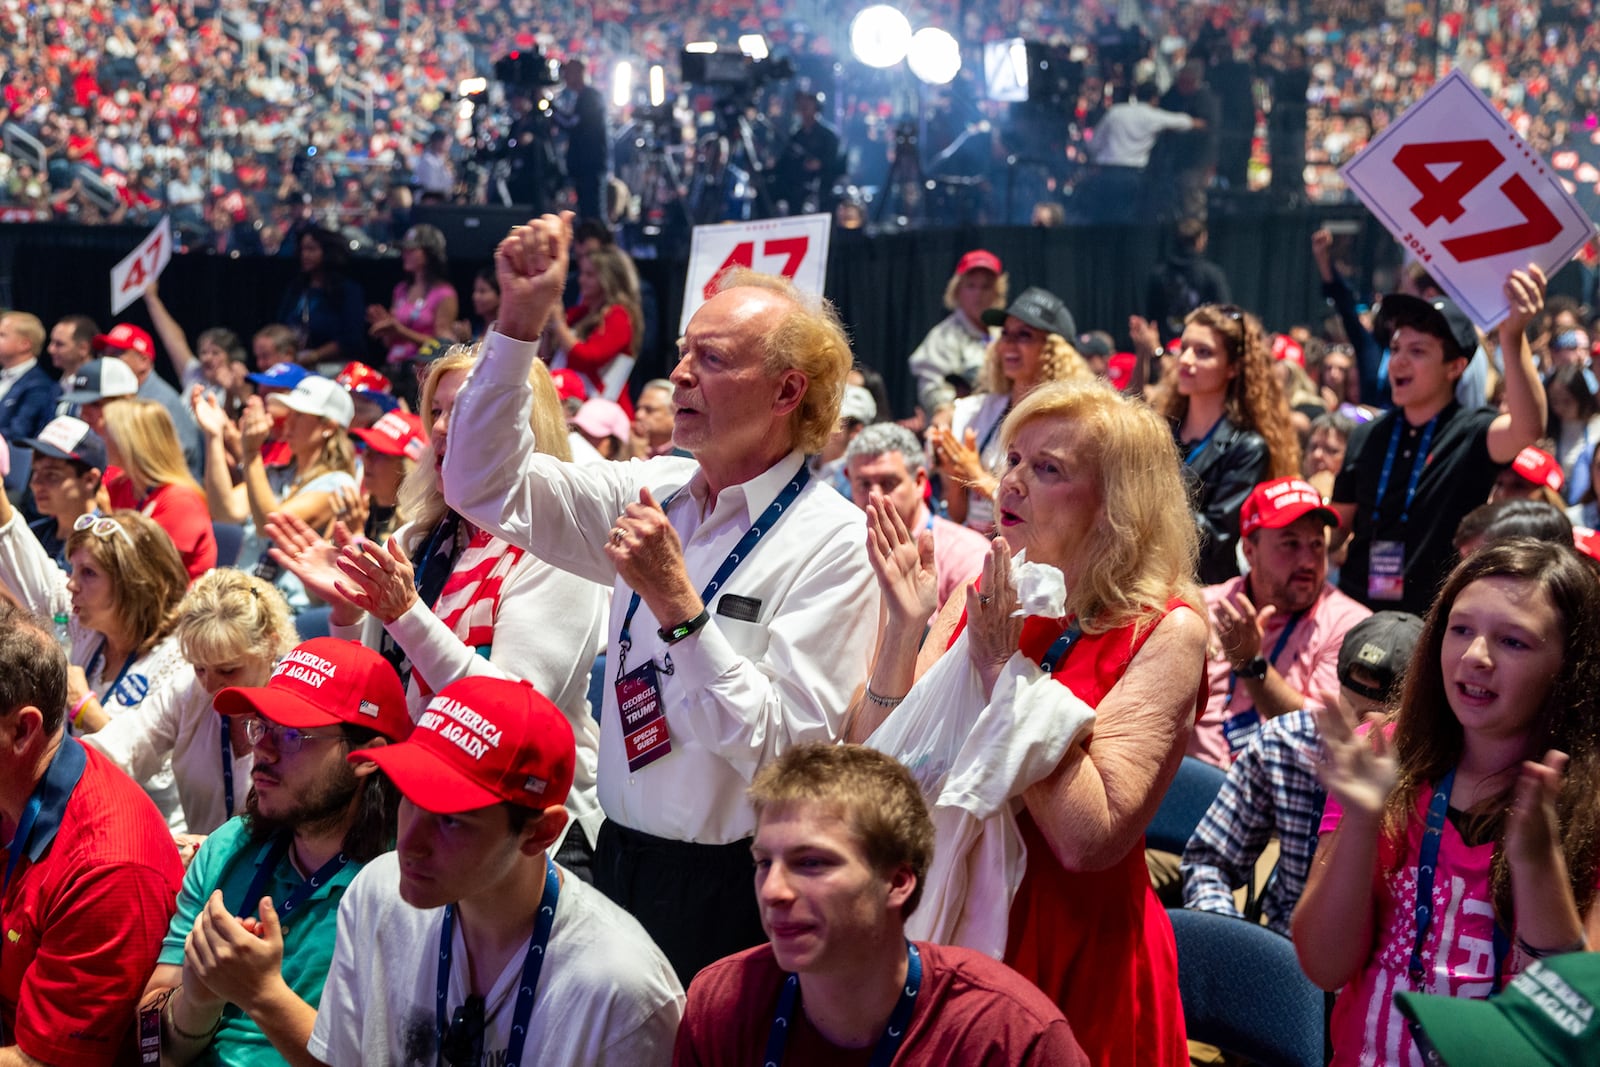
pixel 1255 399
pixel 146 575
pixel 619 286
pixel 1428 737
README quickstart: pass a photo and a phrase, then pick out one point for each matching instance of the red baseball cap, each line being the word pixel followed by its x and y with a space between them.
pixel 1586 541
pixel 1119 369
pixel 325 682
pixel 1275 504
pixel 978 259
pixel 569 385
pixel 1286 347
pixel 399 433
pixel 1540 468
pixel 360 378
pixel 125 336
pixel 482 741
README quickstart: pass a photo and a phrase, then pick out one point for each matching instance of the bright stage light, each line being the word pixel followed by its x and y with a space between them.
pixel 622 84
pixel 935 56
pixel 754 45
pixel 880 36
pixel 658 85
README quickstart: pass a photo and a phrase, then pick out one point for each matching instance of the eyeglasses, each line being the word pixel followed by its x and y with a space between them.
pixel 286 739
pixel 101 526
pixel 463 1042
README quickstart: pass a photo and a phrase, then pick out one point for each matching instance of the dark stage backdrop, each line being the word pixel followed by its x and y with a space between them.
pixel 887 286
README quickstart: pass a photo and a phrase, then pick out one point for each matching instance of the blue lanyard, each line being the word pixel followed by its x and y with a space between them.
pixel 19 840
pixel 768 520
pixel 99 658
pixel 1277 650
pixel 227 772
pixel 1417 463
pixel 1199 447
pixel 1427 864
pixel 994 428
pixel 531 966
pixel 280 848
pixel 1060 647
pixel 893 1035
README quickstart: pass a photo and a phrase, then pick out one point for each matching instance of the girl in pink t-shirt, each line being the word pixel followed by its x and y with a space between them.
pixel 1462 839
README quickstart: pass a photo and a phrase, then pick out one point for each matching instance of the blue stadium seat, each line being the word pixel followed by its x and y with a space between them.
pixel 1243 991
pixel 1187 799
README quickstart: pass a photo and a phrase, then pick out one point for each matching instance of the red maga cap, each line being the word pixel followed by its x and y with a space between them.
pixel 126 336
pixel 979 259
pixel 1275 504
pixel 324 682
pixel 1540 468
pixel 482 741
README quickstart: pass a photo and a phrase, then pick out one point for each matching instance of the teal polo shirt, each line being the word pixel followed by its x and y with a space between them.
pixel 228 861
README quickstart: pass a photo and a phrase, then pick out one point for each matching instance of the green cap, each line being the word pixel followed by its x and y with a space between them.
pixel 1549 1014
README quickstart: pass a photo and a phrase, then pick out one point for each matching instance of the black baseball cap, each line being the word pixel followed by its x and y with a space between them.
pixel 1437 315
pixel 1381 645
pixel 65 437
pixel 1039 308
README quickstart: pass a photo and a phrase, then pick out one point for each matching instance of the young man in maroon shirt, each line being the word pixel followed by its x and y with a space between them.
pixel 842 842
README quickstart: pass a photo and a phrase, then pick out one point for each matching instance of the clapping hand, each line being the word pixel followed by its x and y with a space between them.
pixel 298 549
pixel 994 629
pixel 1358 771
pixel 379 578
pixel 958 457
pixel 1533 831
pixel 903 563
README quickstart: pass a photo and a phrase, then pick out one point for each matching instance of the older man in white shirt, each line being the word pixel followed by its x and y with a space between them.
pixel 745 606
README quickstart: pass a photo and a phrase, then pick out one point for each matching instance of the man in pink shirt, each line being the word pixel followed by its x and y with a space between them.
pixel 888 458
pixel 1276 631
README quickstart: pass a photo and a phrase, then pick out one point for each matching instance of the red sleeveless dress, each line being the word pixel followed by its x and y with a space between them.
pixel 1098 943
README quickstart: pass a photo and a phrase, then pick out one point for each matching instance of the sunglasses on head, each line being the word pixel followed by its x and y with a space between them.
pixel 101 526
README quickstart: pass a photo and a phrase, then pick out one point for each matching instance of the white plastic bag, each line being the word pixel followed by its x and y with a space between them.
pixel 973 759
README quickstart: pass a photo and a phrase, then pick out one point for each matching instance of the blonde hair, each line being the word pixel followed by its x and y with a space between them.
pixel 619 284
pixel 808 338
pixel 228 613
pixel 421 496
pixel 30 327
pixel 145 571
pixel 1002 286
pixel 337 454
pixel 147 443
pixel 1058 362
pixel 1142 550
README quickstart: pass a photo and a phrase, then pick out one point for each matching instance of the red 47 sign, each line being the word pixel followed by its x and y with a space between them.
pixel 796 248
pixel 1467 197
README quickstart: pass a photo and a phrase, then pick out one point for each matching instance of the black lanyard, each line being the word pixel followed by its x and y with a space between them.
pixel 1277 650
pixel 433 566
pixel 280 849
pixel 768 520
pixel 532 963
pixel 893 1035
pixel 1419 461
pixel 1427 863
pixel 227 771
pixel 1060 647
pixel 994 428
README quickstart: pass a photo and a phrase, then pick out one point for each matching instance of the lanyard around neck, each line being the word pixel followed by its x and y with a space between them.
pixel 1060 647
pixel 769 518
pixel 1199 447
pixel 1418 461
pixel 1277 650
pixel 532 964
pixel 893 1035
pixel 1427 866
pixel 227 771
pixel 319 878
pixel 19 840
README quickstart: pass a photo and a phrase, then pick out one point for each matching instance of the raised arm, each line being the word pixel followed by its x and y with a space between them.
pixel 226 501
pixel 1522 423
pixel 1096 805
pixel 167 328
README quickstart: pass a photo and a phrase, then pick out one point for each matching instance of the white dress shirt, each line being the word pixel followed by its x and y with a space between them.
pixel 9 376
pixel 1128 131
pixel 741 693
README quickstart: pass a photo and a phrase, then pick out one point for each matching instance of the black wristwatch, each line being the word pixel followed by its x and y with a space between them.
pixel 673 634
pixel 1255 670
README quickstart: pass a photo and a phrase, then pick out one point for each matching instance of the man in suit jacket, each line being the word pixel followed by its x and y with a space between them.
pixel 28 394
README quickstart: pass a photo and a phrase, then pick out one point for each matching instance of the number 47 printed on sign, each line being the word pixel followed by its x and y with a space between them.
pixel 1452 181
pixel 133 275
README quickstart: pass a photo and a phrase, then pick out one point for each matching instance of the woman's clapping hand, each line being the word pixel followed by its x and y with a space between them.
pixel 903 563
pixel 1358 771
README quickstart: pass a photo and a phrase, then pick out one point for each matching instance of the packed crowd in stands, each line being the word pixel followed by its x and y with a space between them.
pixel 480 708
pixel 245 122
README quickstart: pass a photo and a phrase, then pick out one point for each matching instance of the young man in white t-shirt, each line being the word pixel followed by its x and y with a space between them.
pixel 467 944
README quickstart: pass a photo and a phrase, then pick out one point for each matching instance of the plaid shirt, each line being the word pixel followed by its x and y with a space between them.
pixel 1271 788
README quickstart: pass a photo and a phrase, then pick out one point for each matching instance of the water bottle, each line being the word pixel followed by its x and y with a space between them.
pixel 63 633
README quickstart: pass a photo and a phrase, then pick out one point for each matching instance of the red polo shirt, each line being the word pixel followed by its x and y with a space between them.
pixel 84 913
